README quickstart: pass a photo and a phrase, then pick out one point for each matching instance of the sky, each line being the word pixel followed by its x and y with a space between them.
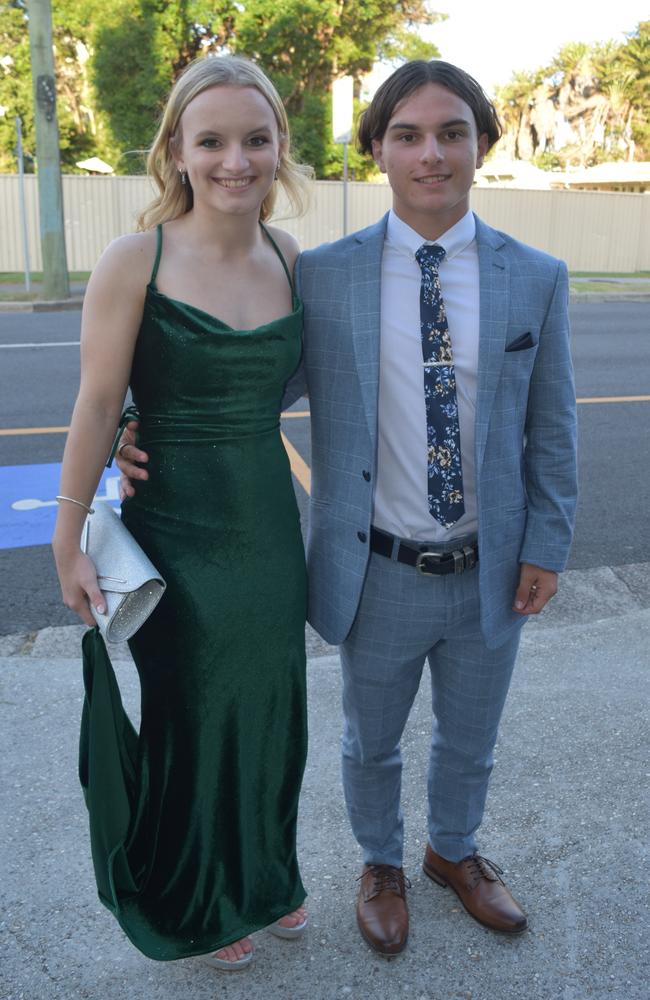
pixel 492 40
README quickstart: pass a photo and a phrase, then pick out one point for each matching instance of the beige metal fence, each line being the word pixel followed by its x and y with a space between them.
pixel 592 231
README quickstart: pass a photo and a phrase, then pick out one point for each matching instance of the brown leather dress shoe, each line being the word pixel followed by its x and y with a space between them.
pixel 382 913
pixel 478 884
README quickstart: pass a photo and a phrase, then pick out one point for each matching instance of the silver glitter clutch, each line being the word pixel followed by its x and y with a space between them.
pixel 130 583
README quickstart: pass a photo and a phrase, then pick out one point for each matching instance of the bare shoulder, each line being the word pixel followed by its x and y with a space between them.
pixel 287 243
pixel 126 263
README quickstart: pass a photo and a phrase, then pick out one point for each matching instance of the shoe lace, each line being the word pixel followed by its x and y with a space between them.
pixel 479 867
pixel 385 878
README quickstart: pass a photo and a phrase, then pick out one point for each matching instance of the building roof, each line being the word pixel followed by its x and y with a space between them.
pixel 502 172
pixel 620 174
pixel 95 166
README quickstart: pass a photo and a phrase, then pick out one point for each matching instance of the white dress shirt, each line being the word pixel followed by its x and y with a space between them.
pixel 400 502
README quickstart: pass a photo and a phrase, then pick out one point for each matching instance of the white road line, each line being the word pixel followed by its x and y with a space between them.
pixel 58 343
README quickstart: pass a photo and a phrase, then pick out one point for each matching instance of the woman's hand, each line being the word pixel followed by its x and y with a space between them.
pixel 127 455
pixel 79 586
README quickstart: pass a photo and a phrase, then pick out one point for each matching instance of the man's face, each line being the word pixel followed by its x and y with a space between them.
pixel 430 151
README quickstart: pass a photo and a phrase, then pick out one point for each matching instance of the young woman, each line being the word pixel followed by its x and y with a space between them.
pixel 197 313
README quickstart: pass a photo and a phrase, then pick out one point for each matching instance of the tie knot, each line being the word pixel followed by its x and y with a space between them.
pixel 429 255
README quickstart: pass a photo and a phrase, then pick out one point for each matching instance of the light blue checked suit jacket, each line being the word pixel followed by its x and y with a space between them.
pixel 525 420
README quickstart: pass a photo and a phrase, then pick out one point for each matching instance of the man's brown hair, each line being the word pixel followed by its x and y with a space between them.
pixel 409 78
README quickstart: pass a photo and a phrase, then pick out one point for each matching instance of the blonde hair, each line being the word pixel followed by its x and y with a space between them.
pixel 175 198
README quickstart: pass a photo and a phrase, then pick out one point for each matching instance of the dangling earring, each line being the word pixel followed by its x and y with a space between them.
pixel 183 174
pixel 277 171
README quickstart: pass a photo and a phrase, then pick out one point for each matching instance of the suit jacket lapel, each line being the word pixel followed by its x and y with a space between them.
pixel 494 279
pixel 365 282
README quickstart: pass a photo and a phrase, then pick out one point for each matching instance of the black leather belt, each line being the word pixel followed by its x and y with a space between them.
pixel 424 557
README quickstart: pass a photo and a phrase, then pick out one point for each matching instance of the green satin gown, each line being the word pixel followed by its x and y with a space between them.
pixel 193 820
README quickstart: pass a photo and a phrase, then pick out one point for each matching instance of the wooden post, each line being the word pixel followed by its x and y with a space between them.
pixel 50 195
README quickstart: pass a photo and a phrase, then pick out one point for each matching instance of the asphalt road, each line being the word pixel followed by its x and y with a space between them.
pixel 611 347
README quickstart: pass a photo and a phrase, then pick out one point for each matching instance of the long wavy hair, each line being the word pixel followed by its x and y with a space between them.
pixel 175 198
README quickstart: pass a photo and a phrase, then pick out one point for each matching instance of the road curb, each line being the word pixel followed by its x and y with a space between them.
pixel 43 305
pixel 609 297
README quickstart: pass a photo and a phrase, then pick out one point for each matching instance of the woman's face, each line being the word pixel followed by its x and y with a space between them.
pixel 230 149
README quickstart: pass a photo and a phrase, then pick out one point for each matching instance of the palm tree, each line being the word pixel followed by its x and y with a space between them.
pixel 635 61
pixel 513 102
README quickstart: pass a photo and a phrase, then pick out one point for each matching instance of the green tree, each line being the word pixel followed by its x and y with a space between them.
pixel 117 59
pixel 602 91
pixel 306 44
pixel 15 85
pixel 71 27
pixel 513 101
pixel 139 50
pixel 635 67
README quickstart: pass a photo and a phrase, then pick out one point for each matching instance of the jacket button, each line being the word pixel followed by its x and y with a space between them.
pixel 361 535
pixel 366 475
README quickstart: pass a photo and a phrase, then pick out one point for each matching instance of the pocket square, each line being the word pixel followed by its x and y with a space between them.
pixel 521 343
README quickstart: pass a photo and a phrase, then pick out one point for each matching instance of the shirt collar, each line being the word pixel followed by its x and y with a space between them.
pixel 406 240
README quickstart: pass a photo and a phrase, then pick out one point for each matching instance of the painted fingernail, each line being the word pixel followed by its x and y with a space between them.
pixel 100 609
pixel 519 605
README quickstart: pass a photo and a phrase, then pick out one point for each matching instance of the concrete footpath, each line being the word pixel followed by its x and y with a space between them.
pixel 568 818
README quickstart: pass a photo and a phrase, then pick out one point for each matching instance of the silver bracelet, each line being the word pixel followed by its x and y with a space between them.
pixel 85 506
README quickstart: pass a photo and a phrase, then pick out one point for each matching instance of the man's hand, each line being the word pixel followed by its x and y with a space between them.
pixel 536 587
pixel 127 455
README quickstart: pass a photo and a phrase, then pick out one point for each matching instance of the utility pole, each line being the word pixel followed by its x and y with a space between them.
pixel 50 194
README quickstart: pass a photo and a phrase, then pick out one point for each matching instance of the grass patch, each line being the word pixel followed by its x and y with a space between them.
pixel 17 293
pixel 641 288
pixel 20 295
pixel 18 277
pixel 609 274
pixel 14 296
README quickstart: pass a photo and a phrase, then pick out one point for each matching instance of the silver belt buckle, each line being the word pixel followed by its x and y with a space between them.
pixel 459 561
pixel 470 556
pixel 419 562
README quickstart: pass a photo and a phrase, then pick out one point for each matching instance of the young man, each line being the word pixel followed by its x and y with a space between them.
pixel 436 360
pixel 444 480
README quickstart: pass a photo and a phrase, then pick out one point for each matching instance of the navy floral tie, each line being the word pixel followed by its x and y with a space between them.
pixel 445 475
